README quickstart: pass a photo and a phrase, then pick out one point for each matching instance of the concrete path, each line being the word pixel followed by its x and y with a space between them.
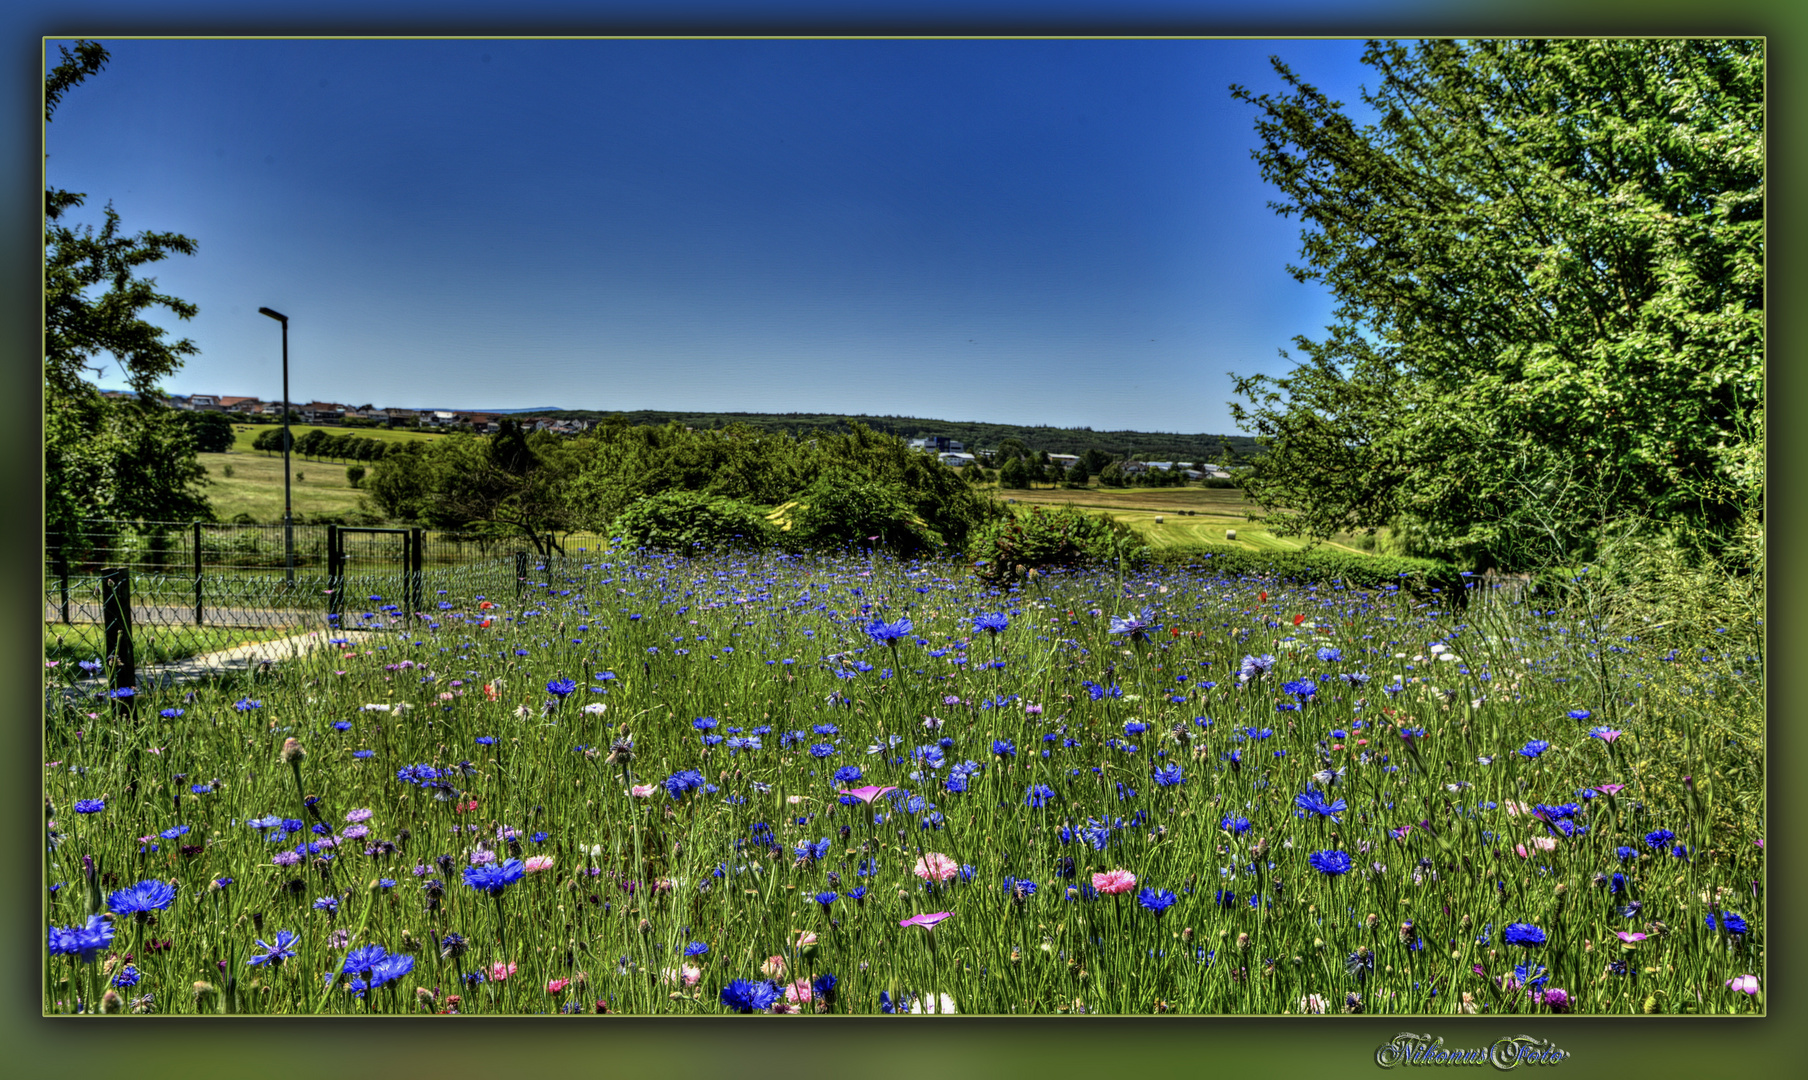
pixel 237 658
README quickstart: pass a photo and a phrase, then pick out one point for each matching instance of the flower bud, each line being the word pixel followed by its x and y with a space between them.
pixel 292 753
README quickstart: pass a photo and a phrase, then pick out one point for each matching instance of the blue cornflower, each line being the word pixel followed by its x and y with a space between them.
pixel 1314 803
pixel 328 904
pixel 1730 920
pixel 1330 655
pixel 538 838
pixel 486 740
pixel 822 750
pixel 170 714
pixel 561 687
pixel 847 774
pixel 1156 901
pixel 682 781
pixel 704 723
pixel 122 692
pixel 1235 825
pixel 1037 796
pixel 1579 714
pixel 127 976
pixel 142 898
pixel 696 948
pixel 743 996
pixel 1522 934
pixel 994 623
pixel 389 969
pixel 90 806
pixel 83 942
pixel 824 986
pixel 246 705
pixel 494 877
pixel 342 725
pixel 1303 689
pixel 1136 626
pixel 363 959
pixel 1534 748
pixel 826 898
pixel 172 833
pixel 1225 898
pixel 888 633
pixel 1004 748
pixel 1626 853
pixel 1330 862
pixel 1168 776
pixel 1531 976
pixel 807 850
pixel 1659 838
pixel 275 954
pixel 1254 666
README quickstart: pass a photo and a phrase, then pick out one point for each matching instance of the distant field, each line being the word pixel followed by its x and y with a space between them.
pixel 255 486
pixel 243 434
pixel 1215 511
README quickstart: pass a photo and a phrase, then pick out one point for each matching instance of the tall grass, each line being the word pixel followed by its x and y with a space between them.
pixel 729 693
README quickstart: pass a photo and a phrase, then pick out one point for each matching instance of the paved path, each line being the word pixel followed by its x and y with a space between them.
pixel 238 658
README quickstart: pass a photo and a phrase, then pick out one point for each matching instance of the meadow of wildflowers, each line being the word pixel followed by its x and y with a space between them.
pixel 851 785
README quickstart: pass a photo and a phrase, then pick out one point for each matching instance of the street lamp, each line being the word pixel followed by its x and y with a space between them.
pixel 288 520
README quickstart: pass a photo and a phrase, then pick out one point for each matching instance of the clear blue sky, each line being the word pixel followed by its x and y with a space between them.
pixel 1061 232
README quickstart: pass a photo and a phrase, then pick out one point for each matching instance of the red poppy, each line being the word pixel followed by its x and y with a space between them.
pixel 1263 596
pixel 485 606
pixel 1297 619
pixel 483 625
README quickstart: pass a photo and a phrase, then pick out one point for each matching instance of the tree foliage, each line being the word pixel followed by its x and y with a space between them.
pixel 1547 258
pixel 506 485
pixel 106 457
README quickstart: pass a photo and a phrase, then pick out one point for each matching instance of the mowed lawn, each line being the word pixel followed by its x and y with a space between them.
pixel 255 486
pixel 1215 511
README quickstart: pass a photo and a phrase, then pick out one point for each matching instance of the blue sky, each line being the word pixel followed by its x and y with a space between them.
pixel 1061 232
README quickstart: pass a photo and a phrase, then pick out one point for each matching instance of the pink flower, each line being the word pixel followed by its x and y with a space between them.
pixel 1545 843
pixel 537 863
pixel 1610 789
pixel 500 972
pixel 1554 999
pixel 1629 938
pixel 936 867
pixel 1745 984
pixel 774 967
pixel 1113 882
pixel 866 794
pixel 1032 710
pixel 641 791
pixel 798 992
pixel 1520 849
pixel 557 986
pixel 927 922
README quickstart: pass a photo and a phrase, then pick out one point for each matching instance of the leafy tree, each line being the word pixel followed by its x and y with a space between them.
pixel 505 485
pixel 1077 474
pixel 109 457
pixel 842 509
pixel 1112 475
pixel 1095 461
pixel 354 474
pixel 311 443
pixel 270 441
pixel 1548 263
pixel 213 431
pixel 1015 474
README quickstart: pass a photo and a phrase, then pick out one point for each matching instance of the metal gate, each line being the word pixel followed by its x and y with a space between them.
pixel 384 563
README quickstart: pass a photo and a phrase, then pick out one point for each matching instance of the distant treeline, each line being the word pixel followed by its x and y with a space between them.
pixel 1146 445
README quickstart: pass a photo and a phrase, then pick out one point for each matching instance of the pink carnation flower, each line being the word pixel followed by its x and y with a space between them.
pixel 1113 882
pixel 927 922
pixel 537 863
pixel 936 867
pixel 641 791
pixel 500 972
pixel 1745 984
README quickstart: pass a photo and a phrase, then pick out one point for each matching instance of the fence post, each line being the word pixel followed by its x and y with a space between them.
pixel 198 618
pixel 520 573
pixel 116 619
pixel 62 567
pixel 334 572
pixel 416 542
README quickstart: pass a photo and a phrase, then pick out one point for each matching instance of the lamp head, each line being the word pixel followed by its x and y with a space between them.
pixel 277 315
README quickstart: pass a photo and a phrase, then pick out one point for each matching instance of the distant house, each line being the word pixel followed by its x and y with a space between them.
pixel 319 412
pixel 935 443
pixel 956 460
pixel 1133 468
pixel 203 402
pixel 241 404
pixel 1065 461
pixel 377 416
pixel 402 416
pixel 438 417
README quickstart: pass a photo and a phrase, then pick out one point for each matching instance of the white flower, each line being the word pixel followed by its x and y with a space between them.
pixel 595 708
pixel 1312 1004
pixel 373 708
pixel 933 1003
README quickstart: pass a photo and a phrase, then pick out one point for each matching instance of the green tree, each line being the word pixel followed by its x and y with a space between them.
pixel 1547 258
pixel 1095 461
pixel 213 431
pixel 1015 474
pixel 129 457
pixel 1077 474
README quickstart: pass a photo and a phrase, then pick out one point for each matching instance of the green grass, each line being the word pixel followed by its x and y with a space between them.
pixel 67 644
pixel 256 488
pixel 1190 515
pixel 632 878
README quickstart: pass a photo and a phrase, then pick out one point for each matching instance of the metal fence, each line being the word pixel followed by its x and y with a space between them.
pixel 156 603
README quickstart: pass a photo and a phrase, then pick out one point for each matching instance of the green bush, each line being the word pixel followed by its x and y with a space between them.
pixel 1040 538
pixel 1428 577
pixel 840 509
pixel 685 521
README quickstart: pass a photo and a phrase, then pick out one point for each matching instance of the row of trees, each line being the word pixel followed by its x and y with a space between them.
pixel 1548 263
pixel 534 484
pixel 320 444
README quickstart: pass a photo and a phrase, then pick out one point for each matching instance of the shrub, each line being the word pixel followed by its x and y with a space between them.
pixel 354 475
pixel 683 521
pixel 1042 538
pixel 840 509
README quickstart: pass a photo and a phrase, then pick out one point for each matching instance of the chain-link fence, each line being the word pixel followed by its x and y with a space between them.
pixel 158 602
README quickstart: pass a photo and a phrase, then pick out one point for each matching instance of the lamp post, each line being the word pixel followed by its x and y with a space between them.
pixel 288 520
